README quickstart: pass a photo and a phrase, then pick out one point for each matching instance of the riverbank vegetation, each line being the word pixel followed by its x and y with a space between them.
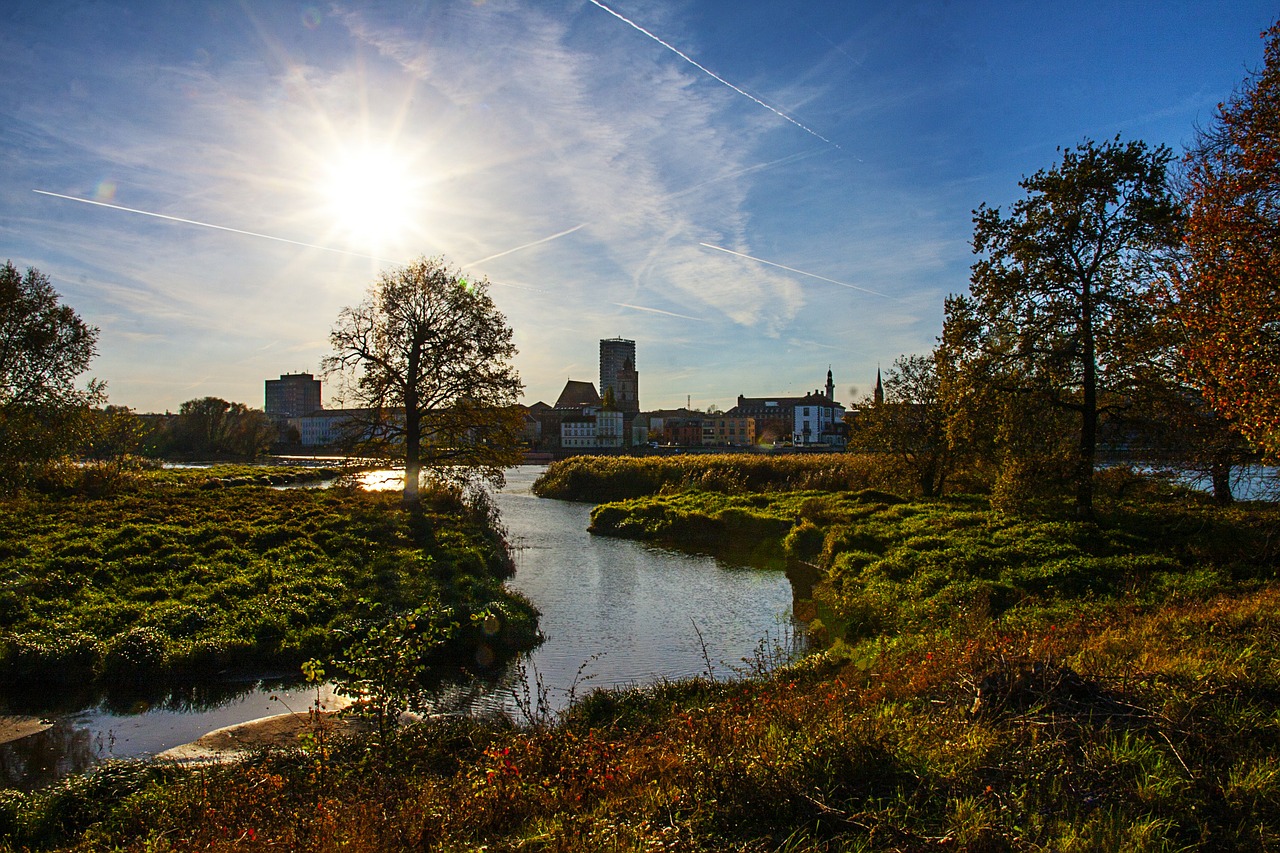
pixel 167 579
pixel 988 681
pixel 597 479
pixel 1021 648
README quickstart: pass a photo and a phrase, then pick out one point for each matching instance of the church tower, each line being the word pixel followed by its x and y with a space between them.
pixel 878 396
pixel 831 386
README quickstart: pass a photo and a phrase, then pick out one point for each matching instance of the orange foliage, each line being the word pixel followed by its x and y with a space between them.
pixel 1229 291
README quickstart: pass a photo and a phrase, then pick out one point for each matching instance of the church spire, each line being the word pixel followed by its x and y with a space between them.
pixel 878 395
pixel 831 386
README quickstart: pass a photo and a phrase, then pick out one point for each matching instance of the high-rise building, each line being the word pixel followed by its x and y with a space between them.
pixel 293 395
pixel 618 374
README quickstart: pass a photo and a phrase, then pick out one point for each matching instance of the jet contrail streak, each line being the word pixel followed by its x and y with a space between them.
pixel 711 73
pixel 211 225
pixel 790 158
pixel 658 311
pixel 794 270
pixel 528 245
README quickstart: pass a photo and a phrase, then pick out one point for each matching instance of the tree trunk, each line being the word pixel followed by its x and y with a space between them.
pixel 412 431
pixel 1220 474
pixel 1089 413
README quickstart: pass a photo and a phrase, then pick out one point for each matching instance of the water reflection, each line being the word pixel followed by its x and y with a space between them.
pixel 39 759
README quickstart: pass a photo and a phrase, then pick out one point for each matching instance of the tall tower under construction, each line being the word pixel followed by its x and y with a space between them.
pixel 618 374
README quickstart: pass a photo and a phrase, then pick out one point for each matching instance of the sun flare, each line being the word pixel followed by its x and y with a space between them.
pixel 372 194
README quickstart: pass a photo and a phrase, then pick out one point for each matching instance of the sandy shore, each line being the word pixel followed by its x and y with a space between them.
pixel 282 731
pixel 15 727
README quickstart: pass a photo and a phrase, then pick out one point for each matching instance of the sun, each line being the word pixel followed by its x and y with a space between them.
pixel 372 195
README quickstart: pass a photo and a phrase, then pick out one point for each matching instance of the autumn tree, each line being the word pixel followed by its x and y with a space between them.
pixel 1062 279
pixel 427 359
pixel 1169 421
pixel 1229 292
pixel 44 348
pixel 910 423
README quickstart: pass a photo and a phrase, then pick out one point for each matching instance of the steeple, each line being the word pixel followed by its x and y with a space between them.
pixel 878 395
pixel 831 386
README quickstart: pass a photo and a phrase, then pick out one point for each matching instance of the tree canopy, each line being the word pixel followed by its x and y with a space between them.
pixel 44 345
pixel 214 427
pixel 44 348
pixel 1062 283
pixel 1228 294
pixel 911 422
pixel 427 359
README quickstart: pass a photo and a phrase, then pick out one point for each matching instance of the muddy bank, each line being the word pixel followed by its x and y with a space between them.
pixel 282 731
pixel 17 727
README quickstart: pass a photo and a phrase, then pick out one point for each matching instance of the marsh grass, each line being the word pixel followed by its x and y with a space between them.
pixel 174 583
pixel 884 753
pixel 992 684
pixel 596 479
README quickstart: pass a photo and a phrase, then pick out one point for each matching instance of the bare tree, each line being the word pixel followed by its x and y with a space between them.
pixel 911 423
pixel 427 359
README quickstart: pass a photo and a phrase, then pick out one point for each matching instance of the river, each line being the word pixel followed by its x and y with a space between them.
pixel 614 613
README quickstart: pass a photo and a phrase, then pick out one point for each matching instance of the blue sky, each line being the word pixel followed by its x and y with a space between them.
pixel 750 190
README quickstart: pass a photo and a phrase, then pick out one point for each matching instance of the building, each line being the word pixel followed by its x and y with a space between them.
pixel 730 430
pixel 577 395
pixel 292 395
pixel 610 429
pixel 618 375
pixel 343 427
pixel 818 420
pixel 578 432
pixel 814 419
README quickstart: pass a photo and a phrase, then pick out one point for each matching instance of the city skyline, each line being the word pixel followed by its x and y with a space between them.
pixel 749 191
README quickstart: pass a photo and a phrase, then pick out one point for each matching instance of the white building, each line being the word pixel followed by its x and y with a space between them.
pixel 816 418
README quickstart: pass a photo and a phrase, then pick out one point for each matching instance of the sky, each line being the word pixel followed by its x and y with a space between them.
pixel 754 191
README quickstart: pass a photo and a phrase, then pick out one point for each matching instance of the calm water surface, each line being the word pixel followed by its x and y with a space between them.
pixel 639 608
pixel 614 613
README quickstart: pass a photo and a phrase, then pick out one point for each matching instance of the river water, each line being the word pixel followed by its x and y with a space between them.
pixel 614 613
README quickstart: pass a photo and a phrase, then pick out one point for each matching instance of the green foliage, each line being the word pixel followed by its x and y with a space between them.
pixel 1061 292
pixel 1002 684
pixel 596 479
pixel 170 581
pixel 213 428
pixel 45 347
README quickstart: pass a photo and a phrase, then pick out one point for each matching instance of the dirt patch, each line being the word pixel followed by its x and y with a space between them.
pixel 16 727
pixel 283 731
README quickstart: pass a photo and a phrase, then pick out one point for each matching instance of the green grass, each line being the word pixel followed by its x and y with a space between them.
pixel 611 478
pixel 168 581
pixel 992 684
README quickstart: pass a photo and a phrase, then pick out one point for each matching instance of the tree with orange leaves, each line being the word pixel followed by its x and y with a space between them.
pixel 1228 291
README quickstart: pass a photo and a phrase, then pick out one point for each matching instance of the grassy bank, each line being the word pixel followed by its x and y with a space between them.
pixel 990 683
pixel 1124 730
pixel 596 479
pixel 167 580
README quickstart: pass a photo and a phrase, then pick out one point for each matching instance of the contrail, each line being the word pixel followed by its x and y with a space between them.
pixel 713 75
pixel 211 225
pixel 658 311
pixel 794 270
pixel 790 158
pixel 528 245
